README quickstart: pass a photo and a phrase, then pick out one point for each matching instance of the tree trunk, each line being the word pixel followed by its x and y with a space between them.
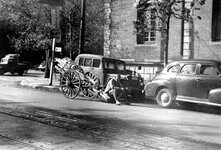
pixel 167 42
pixel 47 65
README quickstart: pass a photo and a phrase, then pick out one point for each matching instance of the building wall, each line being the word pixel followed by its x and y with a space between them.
pixel 204 48
pixel 174 50
pixel 123 39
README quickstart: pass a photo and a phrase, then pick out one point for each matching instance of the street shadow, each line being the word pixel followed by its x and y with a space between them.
pixel 200 108
pixel 28 74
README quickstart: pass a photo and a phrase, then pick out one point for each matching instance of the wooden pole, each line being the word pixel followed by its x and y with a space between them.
pixel 82 27
pixel 52 62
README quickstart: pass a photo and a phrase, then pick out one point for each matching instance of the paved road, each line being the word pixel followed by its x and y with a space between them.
pixel 59 123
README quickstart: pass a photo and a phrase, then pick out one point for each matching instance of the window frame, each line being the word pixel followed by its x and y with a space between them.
pixel 149 36
pixel 210 70
pixel 188 64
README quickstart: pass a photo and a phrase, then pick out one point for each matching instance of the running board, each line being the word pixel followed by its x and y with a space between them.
pixel 197 102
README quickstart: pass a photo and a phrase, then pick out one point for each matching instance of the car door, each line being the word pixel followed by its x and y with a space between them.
pixel 185 82
pixel 208 79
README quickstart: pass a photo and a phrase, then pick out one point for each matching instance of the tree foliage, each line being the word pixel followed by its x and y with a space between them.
pixel 164 10
pixel 32 29
pixel 31 22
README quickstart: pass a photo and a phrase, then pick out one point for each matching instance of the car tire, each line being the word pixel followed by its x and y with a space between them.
pixel 2 71
pixel 21 72
pixel 165 98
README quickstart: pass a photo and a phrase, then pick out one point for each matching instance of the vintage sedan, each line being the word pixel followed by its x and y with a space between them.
pixel 192 81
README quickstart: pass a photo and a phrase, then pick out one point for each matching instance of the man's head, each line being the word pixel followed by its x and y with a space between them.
pixel 118 77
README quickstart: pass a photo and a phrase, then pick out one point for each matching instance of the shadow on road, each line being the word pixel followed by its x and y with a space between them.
pixel 200 108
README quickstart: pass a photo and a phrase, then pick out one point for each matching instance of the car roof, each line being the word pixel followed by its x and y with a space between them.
pixel 97 57
pixel 197 61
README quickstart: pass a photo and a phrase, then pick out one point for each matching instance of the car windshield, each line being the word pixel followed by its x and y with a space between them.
pixel 109 65
pixel 114 64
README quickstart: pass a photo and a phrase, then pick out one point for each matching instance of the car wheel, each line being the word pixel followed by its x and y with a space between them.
pixel 165 98
pixel 21 72
pixel 2 71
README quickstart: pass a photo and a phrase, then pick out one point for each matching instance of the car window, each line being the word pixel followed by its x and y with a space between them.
pixel 109 65
pixel 88 62
pixel 96 63
pixel 81 61
pixel 120 66
pixel 188 69
pixel 173 69
pixel 209 70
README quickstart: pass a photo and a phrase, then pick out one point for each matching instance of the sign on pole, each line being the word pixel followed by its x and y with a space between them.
pixel 58 49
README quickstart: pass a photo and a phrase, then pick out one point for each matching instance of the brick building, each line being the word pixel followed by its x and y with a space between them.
pixel 201 39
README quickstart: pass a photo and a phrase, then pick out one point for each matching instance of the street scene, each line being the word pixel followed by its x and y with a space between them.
pixel 110 75
pixel 36 117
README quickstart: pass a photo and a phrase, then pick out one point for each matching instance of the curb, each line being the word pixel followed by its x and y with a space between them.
pixel 39 85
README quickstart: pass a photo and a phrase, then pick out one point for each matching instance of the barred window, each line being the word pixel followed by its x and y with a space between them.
pixel 147 26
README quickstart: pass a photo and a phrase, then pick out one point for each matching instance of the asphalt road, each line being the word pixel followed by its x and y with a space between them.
pixel 85 124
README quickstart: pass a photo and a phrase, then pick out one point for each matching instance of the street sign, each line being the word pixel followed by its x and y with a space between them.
pixel 52 2
pixel 58 49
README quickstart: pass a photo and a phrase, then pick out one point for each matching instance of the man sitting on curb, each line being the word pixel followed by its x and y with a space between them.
pixel 111 89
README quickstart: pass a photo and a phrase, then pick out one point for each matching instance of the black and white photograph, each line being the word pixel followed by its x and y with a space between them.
pixel 110 74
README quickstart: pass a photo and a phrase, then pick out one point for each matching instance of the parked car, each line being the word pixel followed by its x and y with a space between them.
pixel 10 63
pixel 102 68
pixel 192 81
pixel 42 66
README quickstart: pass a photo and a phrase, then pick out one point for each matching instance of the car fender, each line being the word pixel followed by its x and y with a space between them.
pixel 151 88
pixel 214 96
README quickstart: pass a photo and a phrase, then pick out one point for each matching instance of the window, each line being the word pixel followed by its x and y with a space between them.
pixel 120 66
pixel 209 70
pixel 173 69
pixel 88 62
pixel 216 21
pixel 188 69
pixel 81 61
pixel 109 65
pixel 139 67
pixel 96 63
pixel 146 26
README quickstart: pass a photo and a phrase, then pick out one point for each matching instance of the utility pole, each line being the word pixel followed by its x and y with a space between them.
pixel 82 27
pixel 70 33
pixel 182 28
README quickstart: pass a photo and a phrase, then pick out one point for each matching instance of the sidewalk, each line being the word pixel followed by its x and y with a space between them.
pixel 41 82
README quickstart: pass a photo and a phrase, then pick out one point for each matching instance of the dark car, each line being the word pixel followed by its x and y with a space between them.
pixel 192 81
pixel 10 63
pixel 103 68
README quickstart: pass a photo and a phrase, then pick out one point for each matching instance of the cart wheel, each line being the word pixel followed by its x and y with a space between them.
pixel 70 84
pixel 90 88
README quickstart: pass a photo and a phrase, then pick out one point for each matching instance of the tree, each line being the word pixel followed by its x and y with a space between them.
pixel 162 11
pixel 70 26
pixel 33 31
pixel 32 22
